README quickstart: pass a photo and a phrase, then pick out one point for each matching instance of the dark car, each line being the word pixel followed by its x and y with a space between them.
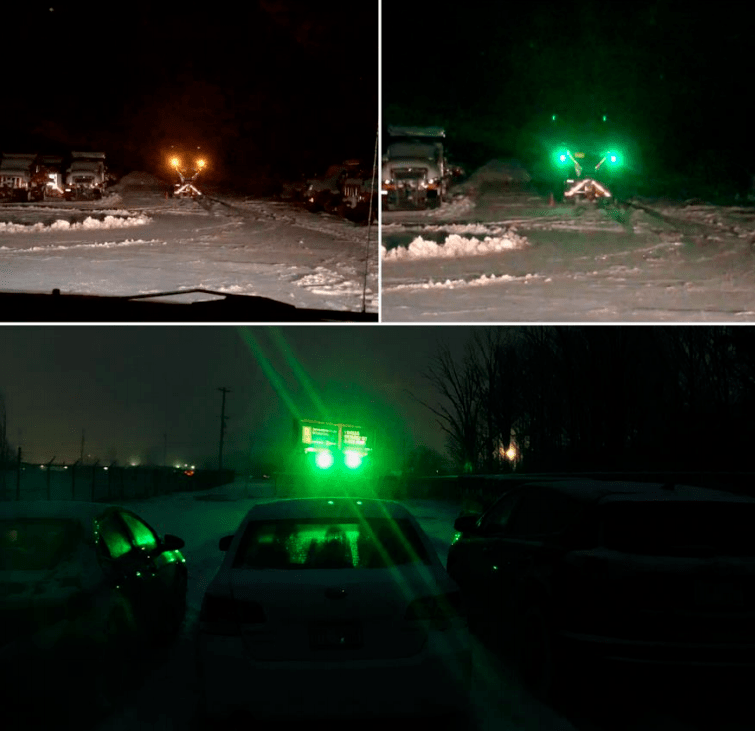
pixel 83 588
pixel 586 575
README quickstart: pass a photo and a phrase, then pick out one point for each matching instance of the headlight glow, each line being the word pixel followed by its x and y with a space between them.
pixel 324 460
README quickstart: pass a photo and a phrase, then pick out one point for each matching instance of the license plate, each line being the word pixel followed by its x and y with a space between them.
pixel 719 594
pixel 335 636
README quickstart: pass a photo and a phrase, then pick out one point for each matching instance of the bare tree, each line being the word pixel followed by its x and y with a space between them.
pixel 458 412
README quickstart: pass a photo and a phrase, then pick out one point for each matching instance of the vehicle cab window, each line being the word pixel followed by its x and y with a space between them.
pixel 543 512
pixel 113 536
pixel 496 519
pixel 142 535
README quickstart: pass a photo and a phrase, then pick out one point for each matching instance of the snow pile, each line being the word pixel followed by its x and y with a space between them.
pixel 481 281
pixel 466 228
pixel 454 246
pixel 457 208
pixel 500 171
pixel 138 180
pixel 97 245
pixel 87 224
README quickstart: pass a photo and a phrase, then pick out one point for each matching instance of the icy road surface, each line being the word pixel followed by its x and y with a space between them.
pixel 510 257
pixel 138 241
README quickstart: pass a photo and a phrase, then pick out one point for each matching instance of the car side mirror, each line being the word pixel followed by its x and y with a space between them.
pixel 466 523
pixel 172 543
pixel 225 543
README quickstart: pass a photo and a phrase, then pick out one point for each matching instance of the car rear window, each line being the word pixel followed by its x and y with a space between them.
pixel 330 544
pixel 677 528
pixel 36 544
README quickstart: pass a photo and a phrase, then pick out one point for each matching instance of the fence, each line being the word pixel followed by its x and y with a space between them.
pixel 101 483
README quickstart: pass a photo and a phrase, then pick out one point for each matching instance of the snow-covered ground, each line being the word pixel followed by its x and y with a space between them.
pixel 508 256
pixel 137 240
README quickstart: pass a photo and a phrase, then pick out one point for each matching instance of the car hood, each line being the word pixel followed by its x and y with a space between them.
pixel 57 307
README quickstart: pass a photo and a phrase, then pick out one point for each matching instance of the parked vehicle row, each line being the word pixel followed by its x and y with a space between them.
pixel 36 177
pixel 348 189
pixel 324 607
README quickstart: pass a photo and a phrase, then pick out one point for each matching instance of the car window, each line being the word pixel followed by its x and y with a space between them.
pixel 495 520
pixel 114 537
pixel 37 544
pixel 543 511
pixel 141 534
pixel 326 544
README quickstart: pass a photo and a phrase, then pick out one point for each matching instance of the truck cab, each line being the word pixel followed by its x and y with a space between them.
pixel 86 176
pixel 414 170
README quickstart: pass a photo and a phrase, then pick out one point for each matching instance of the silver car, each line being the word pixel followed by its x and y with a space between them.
pixel 332 608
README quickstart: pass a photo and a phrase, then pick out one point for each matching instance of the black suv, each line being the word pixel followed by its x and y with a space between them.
pixel 568 575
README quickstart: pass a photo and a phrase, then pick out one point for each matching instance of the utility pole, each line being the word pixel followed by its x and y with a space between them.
pixel 81 455
pixel 165 449
pixel 224 391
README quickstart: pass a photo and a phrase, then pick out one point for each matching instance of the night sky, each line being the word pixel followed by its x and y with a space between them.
pixel 126 387
pixel 271 84
pixel 672 76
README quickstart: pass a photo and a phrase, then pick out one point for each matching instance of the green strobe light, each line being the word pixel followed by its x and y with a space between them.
pixel 353 460
pixel 324 460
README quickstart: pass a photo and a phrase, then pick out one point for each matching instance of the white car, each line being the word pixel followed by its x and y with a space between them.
pixel 332 608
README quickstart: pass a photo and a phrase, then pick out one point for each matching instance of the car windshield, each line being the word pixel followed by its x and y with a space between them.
pixel 676 528
pixel 327 544
pixel 36 544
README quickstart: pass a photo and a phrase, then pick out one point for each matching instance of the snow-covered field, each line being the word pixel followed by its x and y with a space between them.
pixel 509 256
pixel 137 240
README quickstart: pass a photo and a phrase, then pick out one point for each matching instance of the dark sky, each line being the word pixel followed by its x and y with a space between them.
pixel 286 83
pixel 126 387
pixel 671 74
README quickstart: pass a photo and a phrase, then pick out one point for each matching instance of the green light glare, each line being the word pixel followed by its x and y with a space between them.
pixel 275 380
pixel 352 460
pixel 299 372
pixel 324 460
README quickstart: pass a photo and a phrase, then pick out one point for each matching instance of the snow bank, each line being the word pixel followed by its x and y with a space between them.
pixel 96 245
pixel 87 224
pixel 139 180
pixel 500 171
pixel 481 281
pixel 454 246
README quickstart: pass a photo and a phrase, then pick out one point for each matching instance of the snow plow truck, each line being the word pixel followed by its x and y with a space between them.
pixel 328 458
pixel 414 168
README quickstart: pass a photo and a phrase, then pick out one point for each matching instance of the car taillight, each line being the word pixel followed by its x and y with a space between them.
pixel 437 609
pixel 224 616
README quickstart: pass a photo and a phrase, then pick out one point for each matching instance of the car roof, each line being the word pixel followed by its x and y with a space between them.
pixel 327 507
pixel 84 512
pixel 605 491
